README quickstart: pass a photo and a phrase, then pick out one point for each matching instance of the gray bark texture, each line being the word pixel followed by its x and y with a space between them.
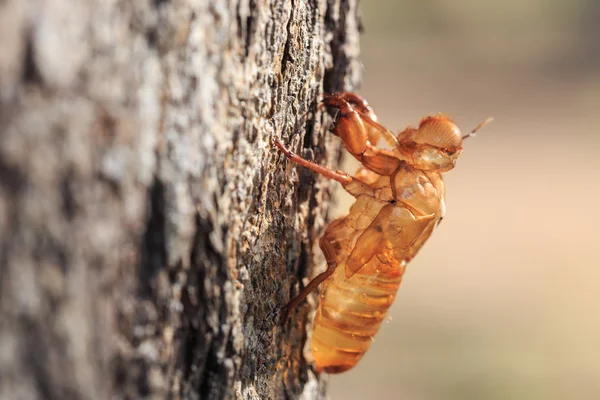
pixel 150 232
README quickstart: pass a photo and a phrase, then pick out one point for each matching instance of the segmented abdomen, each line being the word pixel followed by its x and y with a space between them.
pixel 350 313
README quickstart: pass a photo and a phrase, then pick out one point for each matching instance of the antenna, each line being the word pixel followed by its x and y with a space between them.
pixel 478 127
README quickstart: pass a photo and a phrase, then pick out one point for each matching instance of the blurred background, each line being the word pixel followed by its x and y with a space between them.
pixel 503 302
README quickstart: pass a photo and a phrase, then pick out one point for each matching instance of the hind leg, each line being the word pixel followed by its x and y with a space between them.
pixel 331 248
pixel 287 309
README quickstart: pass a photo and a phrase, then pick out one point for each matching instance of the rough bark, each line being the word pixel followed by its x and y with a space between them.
pixel 149 231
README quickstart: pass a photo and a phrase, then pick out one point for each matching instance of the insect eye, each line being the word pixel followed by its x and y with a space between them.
pixel 439 132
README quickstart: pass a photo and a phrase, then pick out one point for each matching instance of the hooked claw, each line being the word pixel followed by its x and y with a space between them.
pixel 337 101
pixel 356 102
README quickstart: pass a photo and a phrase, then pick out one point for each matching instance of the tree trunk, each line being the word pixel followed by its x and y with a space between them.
pixel 149 230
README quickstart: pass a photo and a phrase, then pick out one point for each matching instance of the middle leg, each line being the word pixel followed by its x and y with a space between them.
pixel 352 185
pixel 339 176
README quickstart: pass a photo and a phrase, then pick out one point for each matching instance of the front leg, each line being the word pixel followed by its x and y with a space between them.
pixel 357 131
pixel 373 128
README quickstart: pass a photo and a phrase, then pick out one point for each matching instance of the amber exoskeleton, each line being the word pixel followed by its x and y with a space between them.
pixel 399 201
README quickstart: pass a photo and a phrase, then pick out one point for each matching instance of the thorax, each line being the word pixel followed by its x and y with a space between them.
pixel 422 192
